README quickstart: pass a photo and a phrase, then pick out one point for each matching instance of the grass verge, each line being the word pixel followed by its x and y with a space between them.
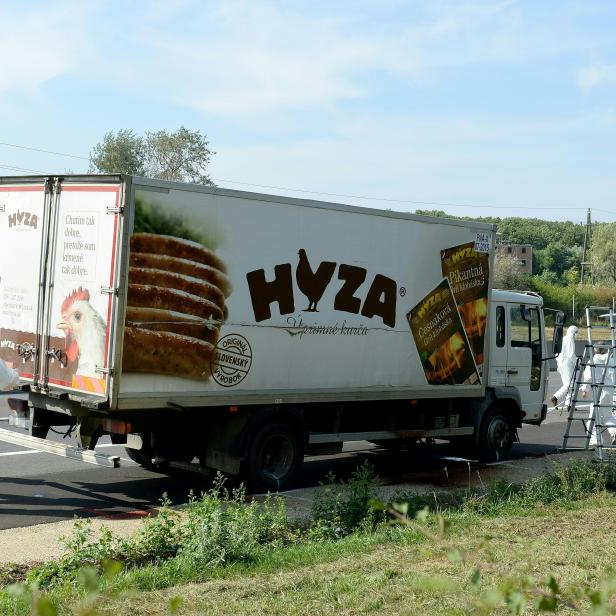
pixel 546 544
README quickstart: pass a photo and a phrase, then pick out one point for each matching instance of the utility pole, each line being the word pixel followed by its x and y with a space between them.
pixel 586 271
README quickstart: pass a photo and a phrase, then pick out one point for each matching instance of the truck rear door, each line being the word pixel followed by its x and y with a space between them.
pixel 24 207
pixel 76 348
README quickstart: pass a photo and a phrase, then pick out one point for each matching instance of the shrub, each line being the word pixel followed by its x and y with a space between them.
pixel 217 527
pixel 83 549
pixel 342 508
pixel 221 528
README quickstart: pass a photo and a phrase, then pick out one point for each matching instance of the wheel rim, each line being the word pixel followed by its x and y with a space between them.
pixel 499 434
pixel 276 457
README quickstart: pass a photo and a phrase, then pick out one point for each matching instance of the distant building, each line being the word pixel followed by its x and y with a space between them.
pixel 522 253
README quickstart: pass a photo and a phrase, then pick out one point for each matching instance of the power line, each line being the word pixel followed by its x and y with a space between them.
pixel 23 147
pixel 408 201
pixel 12 168
pixel 316 192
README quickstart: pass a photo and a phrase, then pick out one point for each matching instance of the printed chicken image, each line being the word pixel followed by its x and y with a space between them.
pixel 85 331
pixel 176 306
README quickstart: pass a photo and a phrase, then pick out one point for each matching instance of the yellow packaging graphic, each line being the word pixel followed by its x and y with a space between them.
pixel 440 338
pixel 467 271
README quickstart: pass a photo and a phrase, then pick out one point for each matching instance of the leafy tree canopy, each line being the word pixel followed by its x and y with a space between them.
pixel 181 156
pixel 604 252
pixel 557 246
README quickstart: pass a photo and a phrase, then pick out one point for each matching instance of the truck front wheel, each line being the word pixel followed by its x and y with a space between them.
pixel 274 456
pixel 496 435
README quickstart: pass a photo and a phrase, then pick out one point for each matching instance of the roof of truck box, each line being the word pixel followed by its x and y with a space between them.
pixel 165 186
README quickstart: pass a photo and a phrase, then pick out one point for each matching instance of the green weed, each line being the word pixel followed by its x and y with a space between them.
pixel 342 508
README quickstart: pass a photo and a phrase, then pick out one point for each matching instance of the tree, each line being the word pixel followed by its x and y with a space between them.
pixel 603 254
pixel 123 152
pixel 181 156
pixel 507 274
pixel 556 258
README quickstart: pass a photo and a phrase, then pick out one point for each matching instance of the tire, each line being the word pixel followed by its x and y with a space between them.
pixel 146 457
pixel 274 456
pixel 140 457
pixel 496 435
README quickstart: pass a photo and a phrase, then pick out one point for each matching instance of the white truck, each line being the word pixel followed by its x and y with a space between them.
pixel 246 330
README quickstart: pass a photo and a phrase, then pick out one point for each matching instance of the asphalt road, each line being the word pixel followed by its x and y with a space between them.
pixel 37 487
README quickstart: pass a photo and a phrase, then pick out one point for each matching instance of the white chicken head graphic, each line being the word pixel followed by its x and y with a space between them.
pixel 85 332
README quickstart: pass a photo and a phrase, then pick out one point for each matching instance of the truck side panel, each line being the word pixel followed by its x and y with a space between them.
pixel 302 302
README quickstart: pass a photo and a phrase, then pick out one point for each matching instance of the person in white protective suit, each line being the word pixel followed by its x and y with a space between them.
pixel 9 377
pixel 565 363
pixel 606 399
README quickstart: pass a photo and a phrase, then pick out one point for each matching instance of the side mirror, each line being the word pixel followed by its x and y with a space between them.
pixel 525 313
pixel 557 341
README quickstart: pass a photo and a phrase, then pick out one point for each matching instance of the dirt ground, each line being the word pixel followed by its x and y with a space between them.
pixel 41 542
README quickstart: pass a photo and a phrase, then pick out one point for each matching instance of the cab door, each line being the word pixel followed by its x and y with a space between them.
pixel 525 364
pixel 498 345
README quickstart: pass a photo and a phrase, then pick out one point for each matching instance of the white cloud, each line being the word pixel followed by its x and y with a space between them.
pixel 39 43
pixel 246 57
pixel 593 74
pixel 455 160
pixel 249 57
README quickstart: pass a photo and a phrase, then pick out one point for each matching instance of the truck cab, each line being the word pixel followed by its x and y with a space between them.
pixel 519 351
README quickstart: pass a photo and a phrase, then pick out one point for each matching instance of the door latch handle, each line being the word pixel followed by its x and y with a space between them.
pixel 57 354
pixel 511 371
pixel 26 351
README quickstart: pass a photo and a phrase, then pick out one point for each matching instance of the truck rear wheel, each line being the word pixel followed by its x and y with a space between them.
pixel 274 456
pixel 142 456
pixel 496 435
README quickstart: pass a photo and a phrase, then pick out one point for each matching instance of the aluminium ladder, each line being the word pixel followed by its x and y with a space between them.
pixel 593 414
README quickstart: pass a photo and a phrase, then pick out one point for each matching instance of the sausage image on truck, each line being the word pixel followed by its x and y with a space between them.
pixel 245 331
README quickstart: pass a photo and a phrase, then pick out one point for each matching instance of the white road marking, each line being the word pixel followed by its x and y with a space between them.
pixel 19 453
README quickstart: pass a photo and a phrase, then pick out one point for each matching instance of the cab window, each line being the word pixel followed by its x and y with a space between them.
pixel 500 326
pixel 527 334
pixel 535 341
pixel 520 329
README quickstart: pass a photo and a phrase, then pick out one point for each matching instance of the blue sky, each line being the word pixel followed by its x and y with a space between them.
pixel 505 108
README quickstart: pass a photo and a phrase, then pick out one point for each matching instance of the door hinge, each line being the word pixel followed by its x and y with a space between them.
pixel 109 290
pixel 115 210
